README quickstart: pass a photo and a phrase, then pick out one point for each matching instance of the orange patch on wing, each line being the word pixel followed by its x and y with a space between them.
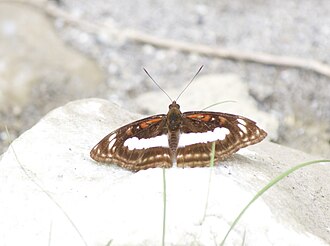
pixel 144 125
pixel 206 117
pixel 149 122
pixel 222 120
pixel 129 131
pixel 195 116
pixel 203 117
pixel 154 121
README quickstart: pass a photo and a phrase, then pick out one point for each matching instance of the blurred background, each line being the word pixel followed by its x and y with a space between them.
pixel 53 52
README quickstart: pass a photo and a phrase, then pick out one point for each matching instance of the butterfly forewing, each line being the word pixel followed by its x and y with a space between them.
pixel 139 145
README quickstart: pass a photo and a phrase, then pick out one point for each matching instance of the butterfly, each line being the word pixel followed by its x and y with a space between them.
pixel 176 138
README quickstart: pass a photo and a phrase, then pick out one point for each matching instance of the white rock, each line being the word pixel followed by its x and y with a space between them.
pixel 107 203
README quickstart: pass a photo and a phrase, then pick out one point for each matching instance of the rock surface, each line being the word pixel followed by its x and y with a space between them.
pixel 109 204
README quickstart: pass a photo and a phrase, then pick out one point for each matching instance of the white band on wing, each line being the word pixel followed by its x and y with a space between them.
pixel 218 133
pixel 144 143
pixel 185 139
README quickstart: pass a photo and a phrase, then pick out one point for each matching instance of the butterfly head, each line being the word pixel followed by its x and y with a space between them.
pixel 174 105
pixel 174 116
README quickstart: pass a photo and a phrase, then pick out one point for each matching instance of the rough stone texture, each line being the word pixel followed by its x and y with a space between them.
pixel 108 203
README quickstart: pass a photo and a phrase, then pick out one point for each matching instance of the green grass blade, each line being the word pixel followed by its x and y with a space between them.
pixel 164 207
pixel 210 179
pixel 269 185
pixel 215 104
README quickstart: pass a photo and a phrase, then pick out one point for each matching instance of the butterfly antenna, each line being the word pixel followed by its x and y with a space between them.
pixel 190 82
pixel 215 104
pixel 157 84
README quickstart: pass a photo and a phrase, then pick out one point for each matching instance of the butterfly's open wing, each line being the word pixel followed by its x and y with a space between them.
pixel 139 145
pixel 229 132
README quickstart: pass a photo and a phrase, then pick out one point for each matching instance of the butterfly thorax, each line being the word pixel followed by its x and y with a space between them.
pixel 174 117
pixel 173 123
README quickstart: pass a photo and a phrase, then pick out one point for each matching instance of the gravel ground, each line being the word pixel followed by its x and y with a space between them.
pixel 300 99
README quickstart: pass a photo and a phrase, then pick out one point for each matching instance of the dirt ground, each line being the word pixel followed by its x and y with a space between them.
pixel 46 62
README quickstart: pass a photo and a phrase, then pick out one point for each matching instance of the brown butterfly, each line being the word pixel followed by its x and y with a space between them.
pixel 176 138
